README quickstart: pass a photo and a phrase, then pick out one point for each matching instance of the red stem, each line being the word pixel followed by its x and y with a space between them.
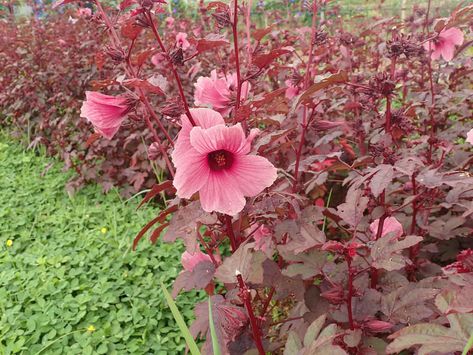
pixel 374 276
pixel 431 109
pixel 350 293
pixel 237 58
pixel 268 301
pixel 231 233
pixel 173 68
pixel 253 321
pixel 305 86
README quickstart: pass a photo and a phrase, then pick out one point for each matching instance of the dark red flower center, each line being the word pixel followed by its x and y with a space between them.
pixel 220 159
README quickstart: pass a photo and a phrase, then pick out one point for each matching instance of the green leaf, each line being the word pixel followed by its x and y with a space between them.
pixel 180 322
pixel 213 333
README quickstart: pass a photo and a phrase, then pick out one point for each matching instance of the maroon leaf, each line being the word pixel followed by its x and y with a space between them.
pixel 144 85
pixel 198 278
pixel 130 29
pixel 264 60
pixel 338 78
pixel 185 222
pixel 229 321
pixel 157 232
pixel 210 42
pixel 260 33
pixel 386 251
pixel 352 210
pixel 155 190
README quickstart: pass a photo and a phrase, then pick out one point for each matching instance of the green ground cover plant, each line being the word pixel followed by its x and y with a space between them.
pixel 69 281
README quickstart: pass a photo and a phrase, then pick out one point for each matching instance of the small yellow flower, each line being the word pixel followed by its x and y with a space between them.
pixel 91 329
pixel 104 230
pixel 9 243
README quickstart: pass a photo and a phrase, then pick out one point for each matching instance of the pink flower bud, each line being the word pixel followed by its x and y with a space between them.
pixel 334 295
pixel 378 326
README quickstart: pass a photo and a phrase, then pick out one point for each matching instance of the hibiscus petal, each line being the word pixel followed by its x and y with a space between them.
pixel 252 174
pixel 105 112
pixel 436 53
pixel 448 50
pixel 220 194
pixel 453 35
pixel 217 138
pixel 191 174
pixel 204 117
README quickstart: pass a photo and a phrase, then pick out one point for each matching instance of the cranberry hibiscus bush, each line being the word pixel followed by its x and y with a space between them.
pixel 321 177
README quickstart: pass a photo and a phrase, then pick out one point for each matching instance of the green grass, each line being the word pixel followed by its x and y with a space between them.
pixel 61 272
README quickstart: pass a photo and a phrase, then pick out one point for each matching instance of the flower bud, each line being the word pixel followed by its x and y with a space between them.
pixel 334 295
pixel 378 326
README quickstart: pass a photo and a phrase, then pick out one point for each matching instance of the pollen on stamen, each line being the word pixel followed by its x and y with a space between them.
pixel 220 159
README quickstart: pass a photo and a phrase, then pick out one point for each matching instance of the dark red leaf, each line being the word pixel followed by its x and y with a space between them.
pixel 155 190
pixel 264 60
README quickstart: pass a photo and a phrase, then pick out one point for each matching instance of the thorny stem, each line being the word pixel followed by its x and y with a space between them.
pixel 237 58
pixel 173 68
pixel 253 321
pixel 304 124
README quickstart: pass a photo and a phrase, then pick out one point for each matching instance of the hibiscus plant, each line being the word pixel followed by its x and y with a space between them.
pixel 318 170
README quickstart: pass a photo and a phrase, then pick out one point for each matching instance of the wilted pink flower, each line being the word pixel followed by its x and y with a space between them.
pixel 213 159
pixel 291 90
pixel 105 112
pixel 181 41
pixel 390 225
pixel 469 136
pixel 169 21
pixel 189 261
pixel 219 92
pixel 444 44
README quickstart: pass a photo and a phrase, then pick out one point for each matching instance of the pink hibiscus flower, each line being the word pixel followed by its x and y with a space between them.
pixel 220 93
pixel 169 21
pixel 189 261
pixel 469 136
pixel 444 44
pixel 181 41
pixel 213 159
pixel 390 225
pixel 105 112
